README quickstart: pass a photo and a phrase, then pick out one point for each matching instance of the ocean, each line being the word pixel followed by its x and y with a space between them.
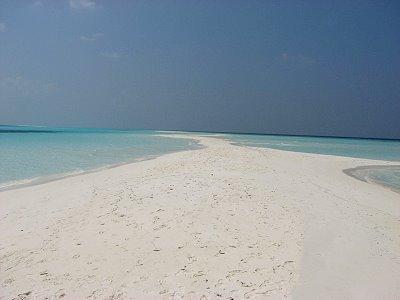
pixel 30 153
pixel 385 150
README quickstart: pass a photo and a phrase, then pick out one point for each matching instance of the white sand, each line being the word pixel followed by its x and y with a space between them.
pixel 219 222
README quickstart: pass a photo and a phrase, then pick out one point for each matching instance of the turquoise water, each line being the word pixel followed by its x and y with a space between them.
pixel 362 148
pixel 38 152
pixel 32 152
pixel 388 150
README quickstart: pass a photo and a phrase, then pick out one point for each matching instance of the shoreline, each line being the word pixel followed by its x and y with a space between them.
pixel 219 221
pixel 27 182
pixel 18 184
pixel 315 153
pixel 355 173
pixel 352 172
pixel 22 183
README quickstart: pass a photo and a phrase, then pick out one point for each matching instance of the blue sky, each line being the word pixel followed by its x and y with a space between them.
pixel 296 67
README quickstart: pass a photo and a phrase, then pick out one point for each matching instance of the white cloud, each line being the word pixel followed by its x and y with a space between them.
pixel 18 85
pixel 90 38
pixel 82 4
pixel 3 27
pixel 113 55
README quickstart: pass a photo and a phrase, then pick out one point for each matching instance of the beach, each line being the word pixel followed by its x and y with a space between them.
pixel 220 222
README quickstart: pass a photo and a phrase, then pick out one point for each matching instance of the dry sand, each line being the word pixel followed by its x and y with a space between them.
pixel 222 222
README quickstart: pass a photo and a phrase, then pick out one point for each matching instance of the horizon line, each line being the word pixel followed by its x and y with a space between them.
pixel 208 131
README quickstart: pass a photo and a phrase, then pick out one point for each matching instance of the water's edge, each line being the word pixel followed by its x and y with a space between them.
pixel 362 173
pixel 55 177
pixel 359 173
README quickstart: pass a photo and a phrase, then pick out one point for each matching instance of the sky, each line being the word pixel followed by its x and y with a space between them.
pixel 284 67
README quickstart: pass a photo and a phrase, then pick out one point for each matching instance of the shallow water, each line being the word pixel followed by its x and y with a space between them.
pixel 31 152
pixel 388 176
pixel 350 147
pixel 387 150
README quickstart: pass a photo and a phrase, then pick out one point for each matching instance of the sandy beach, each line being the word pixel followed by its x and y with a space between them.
pixel 221 222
